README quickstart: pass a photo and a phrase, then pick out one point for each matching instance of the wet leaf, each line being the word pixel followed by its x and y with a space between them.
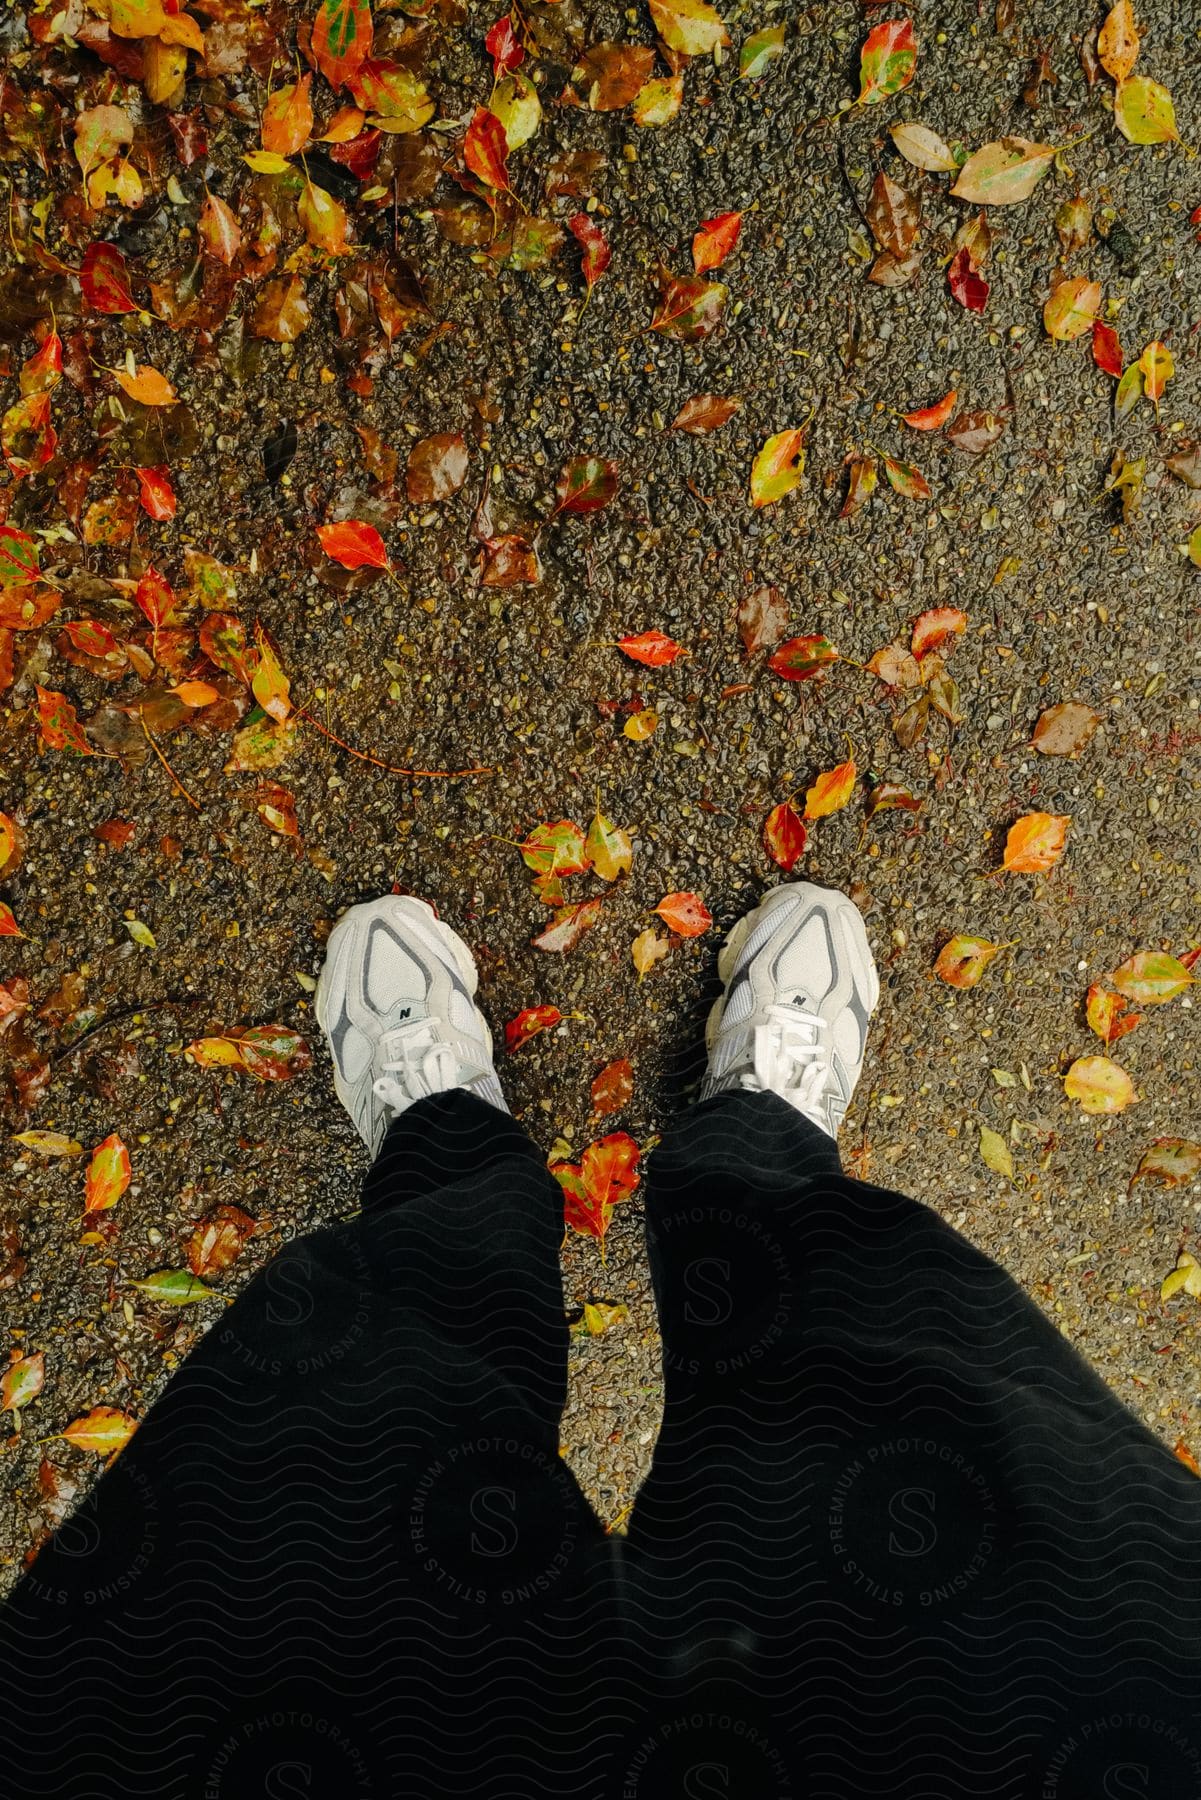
pixel 528 1023
pixel 586 485
pixel 651 648
pixel 596 252
pixel 610 76
pixel 223 641
pixel 784 836
pixel 486 150
pixel 27 435
pixel 140 933
pixel 12 845
pixel 802 657
pixel 1129 392
pixel 905 479
pixel 886 61
pixel 714 241
pixel 889 796
pixel 568 926
pixel 281 312
pixel 108 1175
pixel 23 1381
pixel 690 308
pixel 44 369
pixel 608 848
pixel 173 1287
pixel 762 618
pixel 1172 1161
pixel 341 38
pixel 100 133
pixel 1105 1014
pixel 104 1430
pixel 8 923
pixel 146 386
pixel 760 51
pixel 705 412
pixel 1072 308
pixel 1157 370
pixel 647 949
pixel 353 544
pixel 1073 224
pixel 1064 730
pixel 1151 977
pixel 684 913
pixel 1107 349
pixel 613 1088
pixel 555 850
pixel 657 102
pixel 49 1143
pixel 58 723
pixel 936 627
pixel 269 685
pixel 893 215
pixel 995 1152
pixel 922 147
pixel 503 46
pixel 962 961
pixel 1003 173
pixel 1143 111
pixel 1185 1276
pixel 18 557
pixel 288 118
pixel 104 279
pixel 930 418
pixel 155 597
pixel 974 433
pixel 1117 41
pixel 1035 843
pixel 268 1052
pixel 276 807
pixel 397 101
pixel 324 221
pixel 690 26
pixel 262 744
pixel 1099 1084
pixel 966 282
pixel 831 791
pixel 218 1239
pixel 155 493
pixel 436 469
pixel 863 476
pixel 509 561
pixel 516 104
pixel 778 467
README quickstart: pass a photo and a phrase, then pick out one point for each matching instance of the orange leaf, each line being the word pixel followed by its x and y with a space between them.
pixel 354 544
pixel 929 418
pixel 486 150
pixel 613 1088
pixel 784 836
pixel 831 791
pixel 934 628
pixel 686 914
pixel 1035 843
pixel 1100 1085
pixel 108 1175
pixel 288 118
pixel 147 386
pixel 104 1430
pixel 715 240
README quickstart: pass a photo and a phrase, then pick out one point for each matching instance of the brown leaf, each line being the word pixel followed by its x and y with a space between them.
pixel 893 215
pixel 705 412
pixel 437 468
pixel 974 432
pixel 762 618
pixel 1065 729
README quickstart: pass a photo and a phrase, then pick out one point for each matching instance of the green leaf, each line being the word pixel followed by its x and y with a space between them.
pixel 887 61
pixel 175 1287
pixel 1143 111
pixel 760 51
pixel 1129 392
pixel 1003 173
pixel 1152 977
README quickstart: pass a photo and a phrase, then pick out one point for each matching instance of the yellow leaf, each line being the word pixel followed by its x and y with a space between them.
pixel 267 162
pixel 1072 308
pixel 1186 1275
pixel 640 725
pixel 49 1143
pixel 1158 368
pixel 647 949
pixel 690 26
pixel 1143 111
pixel 1117 42
pixel 994 1152
pixel 831 791
pixel 104 1430
pixel 599 1315
pixel 1100 1084
pixel 108 1175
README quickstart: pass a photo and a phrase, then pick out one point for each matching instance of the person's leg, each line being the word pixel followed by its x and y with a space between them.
pixel 342 1554
pixel 901 1531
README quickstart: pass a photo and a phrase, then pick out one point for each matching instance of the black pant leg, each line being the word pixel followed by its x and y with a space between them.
pixel 342 1556
pixel 894 1521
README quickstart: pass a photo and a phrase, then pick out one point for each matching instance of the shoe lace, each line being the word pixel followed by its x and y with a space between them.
pixel 415 1063
pixel 788 1058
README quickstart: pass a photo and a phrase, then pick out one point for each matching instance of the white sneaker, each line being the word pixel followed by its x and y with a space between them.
pixel 396 1003
pixel 801 986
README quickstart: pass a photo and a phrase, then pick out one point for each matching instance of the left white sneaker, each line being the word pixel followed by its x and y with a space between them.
pixel 396 1001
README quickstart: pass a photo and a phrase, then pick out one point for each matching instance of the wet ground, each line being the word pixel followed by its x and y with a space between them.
pixel 1065 600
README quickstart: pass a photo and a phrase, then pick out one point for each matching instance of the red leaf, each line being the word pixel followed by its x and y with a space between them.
pixel 157 495
pixel 591 239
pixel 967 283
pixel 802 657
pixel 715 240
pixel 1107 349
pixel 929 418
pixel 342 33
pixel 586 484
pixel 155 597
pixel 104 279
pixel 685 913
pixel 502 46
pixel 486 150
pixel 528 1023
pixel 784 836
pixel 651 648
pixel 354 544
pixel 59 725
pixel 613 1088
pixel 935 627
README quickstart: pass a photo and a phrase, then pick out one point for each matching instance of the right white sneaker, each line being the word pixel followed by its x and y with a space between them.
pixel 396 1001
pixel 801 987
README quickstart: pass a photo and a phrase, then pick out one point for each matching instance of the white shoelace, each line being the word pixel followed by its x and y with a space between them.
pixel 788 1058
pixel 415 1065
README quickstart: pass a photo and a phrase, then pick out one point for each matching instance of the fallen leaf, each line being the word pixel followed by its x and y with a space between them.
pixel 759 51
pixel 651 648
pixel 611 76
pixel 58 724
pixel 647 949
pixel 966 282
pixel 486 150
pixel 341 38
pixel 1072 308
pixel 217 1240
pixel 762 618
pixel 104 1430
pixel 1002 173
pixel 146 386
pixel 936 627
pixel 690 26
pixel 276 807
pixel 104 280
pixel 596 252
pixel 995 1152
pixel 1064 730
pixel 778 467
pixel 613 1088
pixel 1186 1275
pixel 886 61
pixel 528 1023
pixel 784 836
pixel 8 923
pixel 1117 41
pixel 888 796
pixel 1129 392
pixel 862 478
pixel 568 926
pixel 831 791
pixel 436 469
pixel 690 308
pixel 905 479
pixel 608 849
pixel 923 147
pixel 704 412
pixel 503 47
pixel 641 725
pixel 684 913
pixel 601 1315
pixel 354 544
pixel 930 418
pixel 48 1143
pixel 173 1287
pixel 1152 977
pixel 802 657
pixel 1035 843
pixel 281 312
pixel 108 1175
pixel 1104 1012
pixel 288 118
pixel 962 961
pixel 714 241
pixel 893 215
pixel 269 684
pixel 1143 111
pixel 1157 369
pixel 586 485
pixel 1170 1160
pixel 657 102
pixel 23 1381
pixel 1099 1084
pixel 155 493
pixel 268 1052
pixel 12 845
pixel 975 432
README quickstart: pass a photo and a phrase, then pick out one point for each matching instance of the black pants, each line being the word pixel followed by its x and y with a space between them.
pixel 898 1539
